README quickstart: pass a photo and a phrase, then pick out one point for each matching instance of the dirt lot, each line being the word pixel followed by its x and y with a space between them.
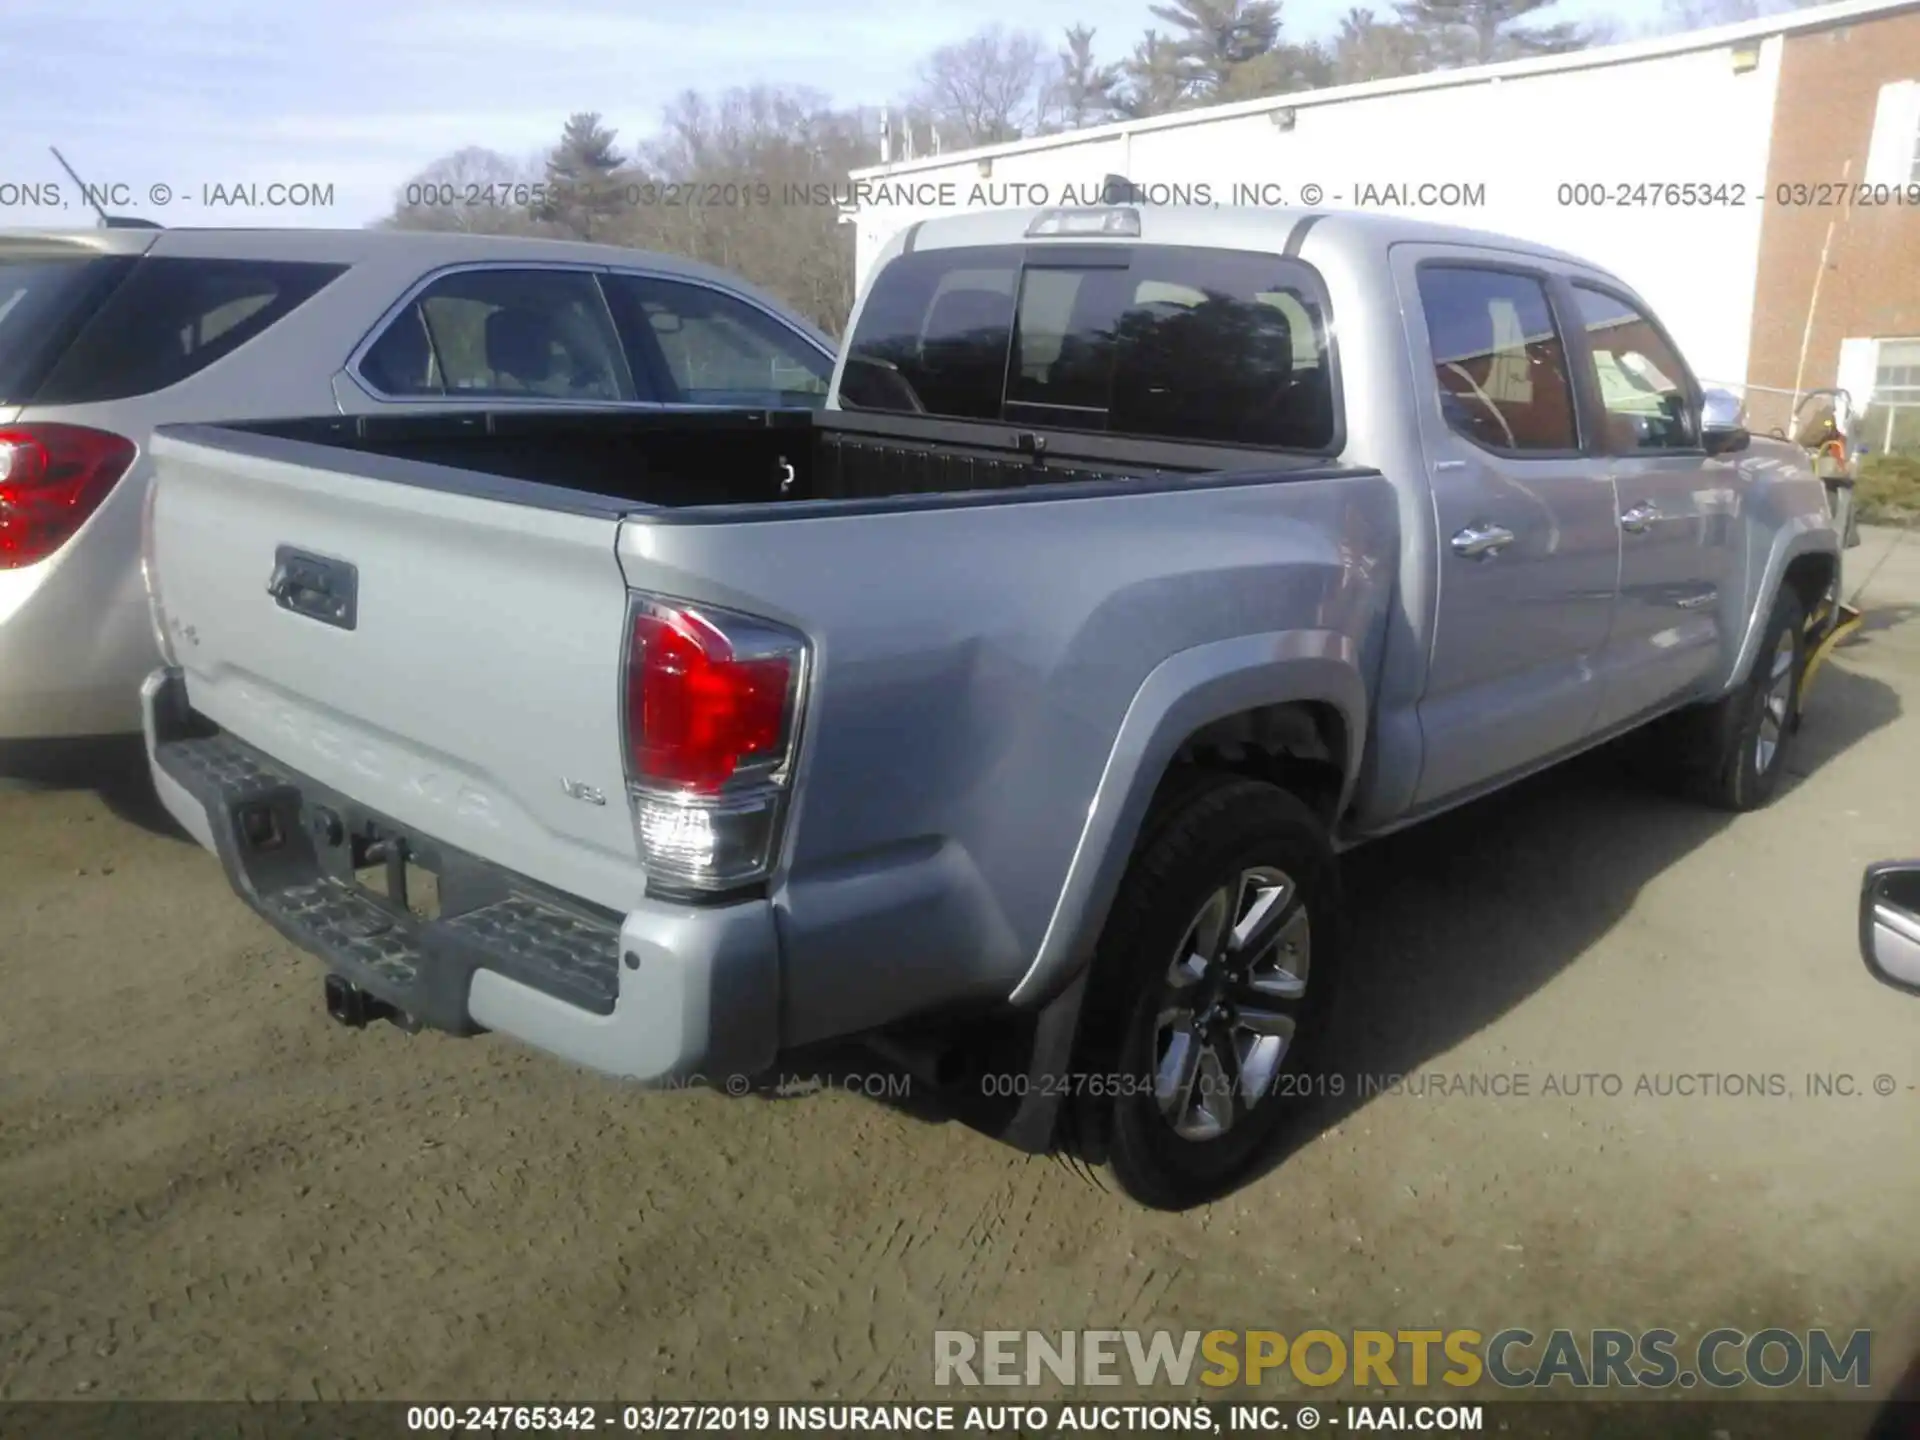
pixel 207 1189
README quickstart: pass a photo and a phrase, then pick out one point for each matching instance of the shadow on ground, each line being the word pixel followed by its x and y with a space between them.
pixel 1455 922
pixel 1878 619
pixel 1461 919
pixel 113 767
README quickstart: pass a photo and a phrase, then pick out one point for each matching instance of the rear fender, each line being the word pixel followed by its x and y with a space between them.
pixel 1185 692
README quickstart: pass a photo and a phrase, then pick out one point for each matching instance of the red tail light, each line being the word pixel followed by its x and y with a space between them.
pixel 52 477
pixel 698 713
pixel 712 709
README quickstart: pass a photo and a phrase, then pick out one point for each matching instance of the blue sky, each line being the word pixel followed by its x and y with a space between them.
pixel 358 95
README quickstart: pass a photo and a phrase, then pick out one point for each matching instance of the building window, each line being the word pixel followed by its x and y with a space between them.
pixel 1893 149
pixel 1892 419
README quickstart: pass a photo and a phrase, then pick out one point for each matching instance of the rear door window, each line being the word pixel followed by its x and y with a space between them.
pixel 1498 358
pixel 44 300
pixel 1174 343
pixel 502 334
pixel 705 347
pixel 173 317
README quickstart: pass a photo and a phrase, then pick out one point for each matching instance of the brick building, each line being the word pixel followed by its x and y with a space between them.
pixel 1758 182
pixel 1837 296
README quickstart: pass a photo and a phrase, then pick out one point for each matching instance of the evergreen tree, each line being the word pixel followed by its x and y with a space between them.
pixel 1156 78
pixel 1084 90
pixel 582 201
pixel 1476 32
pixel 1368 48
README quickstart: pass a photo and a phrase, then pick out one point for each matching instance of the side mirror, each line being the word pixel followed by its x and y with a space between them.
pixel 1890 923
pixel 1723 422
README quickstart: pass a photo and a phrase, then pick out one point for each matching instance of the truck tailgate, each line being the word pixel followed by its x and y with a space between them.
pixel 450 660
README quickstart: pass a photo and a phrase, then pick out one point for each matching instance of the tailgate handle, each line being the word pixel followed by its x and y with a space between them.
pixel 315 586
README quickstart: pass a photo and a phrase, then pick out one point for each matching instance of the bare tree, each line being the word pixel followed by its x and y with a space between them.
pixel 989 88
pixel 475 190
pixel 751 181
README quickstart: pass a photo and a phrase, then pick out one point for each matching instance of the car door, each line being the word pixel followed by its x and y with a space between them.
pixel 1679 508
pixel 695 344
pixel 495 336
pixel 1528 544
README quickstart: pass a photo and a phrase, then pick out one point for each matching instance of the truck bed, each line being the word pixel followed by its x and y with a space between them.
pixel 426 622
pixel 682 459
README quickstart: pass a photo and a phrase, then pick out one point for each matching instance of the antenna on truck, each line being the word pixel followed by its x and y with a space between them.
pixel 107 222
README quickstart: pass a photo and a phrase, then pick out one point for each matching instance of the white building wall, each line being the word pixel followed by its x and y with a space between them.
pixel 1672 118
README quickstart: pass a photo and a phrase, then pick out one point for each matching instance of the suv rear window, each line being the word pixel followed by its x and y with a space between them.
pixel 174 317
pixel 44 299
pixel 1168 342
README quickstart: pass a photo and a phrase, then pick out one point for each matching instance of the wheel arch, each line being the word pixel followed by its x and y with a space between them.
pixel 1811 575
pixel 1288 707
pixel 1804 557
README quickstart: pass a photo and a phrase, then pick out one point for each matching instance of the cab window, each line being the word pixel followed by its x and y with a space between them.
pixel 1642 384
pixel 1163 342
pixel 1498 358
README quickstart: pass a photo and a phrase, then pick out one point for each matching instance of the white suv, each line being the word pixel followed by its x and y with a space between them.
pixel 106 333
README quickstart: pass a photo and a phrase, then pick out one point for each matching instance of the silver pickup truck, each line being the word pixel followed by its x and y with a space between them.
pixel 1012 711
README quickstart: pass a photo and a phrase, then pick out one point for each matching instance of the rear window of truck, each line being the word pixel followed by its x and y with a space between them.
pixel 1163 342
pixel 44 299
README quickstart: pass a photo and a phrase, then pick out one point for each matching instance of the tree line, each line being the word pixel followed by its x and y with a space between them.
pixel 711 182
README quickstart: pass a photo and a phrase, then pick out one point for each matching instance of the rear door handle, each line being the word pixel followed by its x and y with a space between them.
pixel 1639 518
pixel 1479 542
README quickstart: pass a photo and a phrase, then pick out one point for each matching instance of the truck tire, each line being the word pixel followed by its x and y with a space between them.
pixel 1212 980
pixel 1734 751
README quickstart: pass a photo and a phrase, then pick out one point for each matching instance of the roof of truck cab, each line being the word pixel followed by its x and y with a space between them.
pixel 1227 227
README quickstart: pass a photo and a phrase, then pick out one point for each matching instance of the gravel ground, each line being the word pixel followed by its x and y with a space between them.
pixel 208 1190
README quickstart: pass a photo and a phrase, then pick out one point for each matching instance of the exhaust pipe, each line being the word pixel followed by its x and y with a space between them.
pixel 349 1005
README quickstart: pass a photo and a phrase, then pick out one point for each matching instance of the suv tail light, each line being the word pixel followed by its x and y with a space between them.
pixel 713 702
pixel 52 477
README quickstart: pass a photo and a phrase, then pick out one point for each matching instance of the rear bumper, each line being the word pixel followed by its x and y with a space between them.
pixel 665 993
